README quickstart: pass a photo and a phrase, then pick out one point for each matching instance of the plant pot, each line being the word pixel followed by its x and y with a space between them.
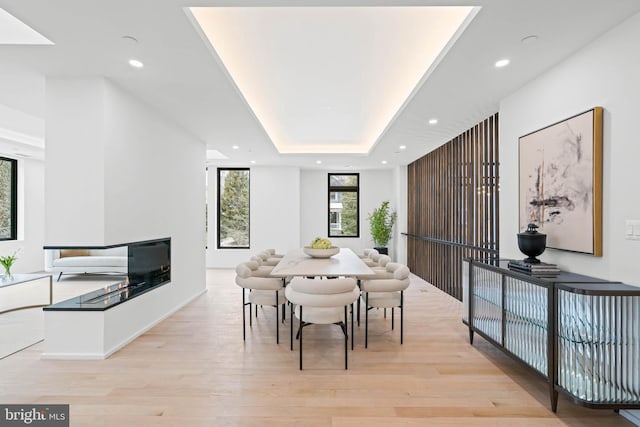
pixel 382 251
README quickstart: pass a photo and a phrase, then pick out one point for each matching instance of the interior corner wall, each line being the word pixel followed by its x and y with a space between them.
pixel 274 214
pixel 74 167
pixel 376 186
pixel 605 73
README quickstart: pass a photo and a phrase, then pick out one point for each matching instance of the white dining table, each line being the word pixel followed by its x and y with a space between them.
pixel 344 263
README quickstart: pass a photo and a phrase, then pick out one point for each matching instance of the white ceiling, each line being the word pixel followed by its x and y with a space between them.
pixel 183 80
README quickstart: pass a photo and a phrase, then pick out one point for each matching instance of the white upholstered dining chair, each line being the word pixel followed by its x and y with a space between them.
pixel 262 291
pixel 322 302
pixel 385 290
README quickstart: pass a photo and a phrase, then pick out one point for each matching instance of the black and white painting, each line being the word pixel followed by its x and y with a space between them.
pixel 560 182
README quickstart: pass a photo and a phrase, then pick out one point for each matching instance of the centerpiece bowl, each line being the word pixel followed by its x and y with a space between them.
pixel 321 253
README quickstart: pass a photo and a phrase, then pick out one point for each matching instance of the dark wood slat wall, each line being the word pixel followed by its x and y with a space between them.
pixel 453 206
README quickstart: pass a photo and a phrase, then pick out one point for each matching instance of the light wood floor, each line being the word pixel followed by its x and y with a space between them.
pixel 194 370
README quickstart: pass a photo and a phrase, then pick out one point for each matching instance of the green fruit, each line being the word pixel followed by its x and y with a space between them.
pixel 320 243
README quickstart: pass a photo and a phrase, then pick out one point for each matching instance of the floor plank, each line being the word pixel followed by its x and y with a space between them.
pixel 194 369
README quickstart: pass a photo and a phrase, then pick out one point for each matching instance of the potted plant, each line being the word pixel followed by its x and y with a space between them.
pixel 7 261
pixel 381 222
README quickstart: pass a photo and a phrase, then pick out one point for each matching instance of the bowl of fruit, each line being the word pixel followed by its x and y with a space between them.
pixel 321 248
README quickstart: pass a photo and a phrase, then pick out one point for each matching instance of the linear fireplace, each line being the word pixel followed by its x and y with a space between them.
pixel 148 266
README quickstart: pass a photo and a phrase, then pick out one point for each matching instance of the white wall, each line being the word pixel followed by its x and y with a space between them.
pixel 30 218
pixel 155 187
pixel 275 215
pixel 74 151
pixel 376 186
pixel 605 73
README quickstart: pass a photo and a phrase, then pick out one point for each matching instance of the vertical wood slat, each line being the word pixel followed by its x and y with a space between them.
pixel 453 198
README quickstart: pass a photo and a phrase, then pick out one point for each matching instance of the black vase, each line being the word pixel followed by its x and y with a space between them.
pixel 382 251
pixel 532 244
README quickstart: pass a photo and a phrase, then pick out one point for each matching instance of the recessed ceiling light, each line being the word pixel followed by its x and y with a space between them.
pixel 529 39
pixel 433 121
pixel 502 63
pixel 403 147
pixel 318 162
pixel 235 147
pixel 253 162
pixel 136 63
pixel 384 162
pixel 130 39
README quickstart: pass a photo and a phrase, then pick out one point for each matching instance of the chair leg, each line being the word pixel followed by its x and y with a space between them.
pixel 346 339
pixel 301 328
pixel 352 330
pixel 244 332
pixel 392 318
pixel 277 320
pixel 366 319
pixel 358 303
pixel 291 336
pixel 401 316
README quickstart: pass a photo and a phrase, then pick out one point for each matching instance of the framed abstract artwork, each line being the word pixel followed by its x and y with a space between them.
pixel 560 180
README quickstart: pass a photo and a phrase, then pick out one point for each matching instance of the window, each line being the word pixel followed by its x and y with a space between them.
pixel 8 199
pixel 233 208
pixel 344 205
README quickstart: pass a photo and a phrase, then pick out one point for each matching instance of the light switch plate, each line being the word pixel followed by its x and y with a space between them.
pixel 632 229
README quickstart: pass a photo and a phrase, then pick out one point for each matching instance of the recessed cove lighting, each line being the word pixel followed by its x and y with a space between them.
pixel 433 121
pixel 403 147
pixel 136 63
pixel 318 162
pixel 235 147
pixel 502 63
pixel 384 162
pixel 348 123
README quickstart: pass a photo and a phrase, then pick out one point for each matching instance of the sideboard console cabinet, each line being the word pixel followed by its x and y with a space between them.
pixel 580 333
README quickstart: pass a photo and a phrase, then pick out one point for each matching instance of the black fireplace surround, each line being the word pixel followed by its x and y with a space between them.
pixel 148 267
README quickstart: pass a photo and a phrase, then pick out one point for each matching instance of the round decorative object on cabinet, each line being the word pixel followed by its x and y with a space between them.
pixel 531 243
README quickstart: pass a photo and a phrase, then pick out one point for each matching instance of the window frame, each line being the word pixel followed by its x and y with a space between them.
pixel 13 232
pixel 219 171
pixel 352 189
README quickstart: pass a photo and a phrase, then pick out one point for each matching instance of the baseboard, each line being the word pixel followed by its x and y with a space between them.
pixel 72 356
pixel 631 415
